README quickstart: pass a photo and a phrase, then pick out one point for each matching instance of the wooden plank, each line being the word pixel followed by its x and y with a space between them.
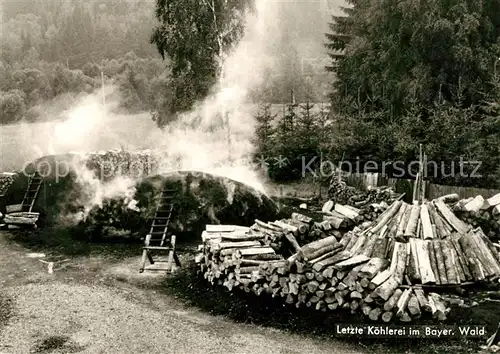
pixel 225 228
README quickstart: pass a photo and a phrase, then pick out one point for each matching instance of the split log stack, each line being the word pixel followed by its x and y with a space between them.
pixel 113 163
pixel 481 212
pixel 352 215
pixel 391 270
pixel 6 180
pixel 341 193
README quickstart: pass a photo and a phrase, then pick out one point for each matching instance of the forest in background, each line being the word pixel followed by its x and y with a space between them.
pixel 52 51
pixel 405 74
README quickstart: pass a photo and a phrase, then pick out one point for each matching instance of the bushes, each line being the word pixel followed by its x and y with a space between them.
pixel 12 106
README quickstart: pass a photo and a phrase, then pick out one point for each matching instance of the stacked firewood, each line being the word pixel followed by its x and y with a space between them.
pixel 113 163
pixel 341 193
pixel 336 221
pixel 15 217
pixel 381 269
pixel 6 180
pixel 481 212
pixel 352 215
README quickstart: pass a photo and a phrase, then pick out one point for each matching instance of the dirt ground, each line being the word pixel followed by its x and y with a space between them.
pixel 97 305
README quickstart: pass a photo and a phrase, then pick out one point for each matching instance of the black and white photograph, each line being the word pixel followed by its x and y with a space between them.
pixel 249 176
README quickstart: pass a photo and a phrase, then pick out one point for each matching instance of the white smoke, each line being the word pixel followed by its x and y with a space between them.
pixel 201 139
pixel 216 136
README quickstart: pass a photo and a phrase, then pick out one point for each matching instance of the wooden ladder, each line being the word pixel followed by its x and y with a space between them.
pixel 157 238
pixel 34 185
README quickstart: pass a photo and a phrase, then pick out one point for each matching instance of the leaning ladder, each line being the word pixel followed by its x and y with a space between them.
pixel 156 239
pixel 34 185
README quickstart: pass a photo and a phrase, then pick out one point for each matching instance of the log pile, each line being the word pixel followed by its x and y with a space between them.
pixel 6 180
pixel 352 215
pixel 387 270
pixel 112 163
pixel 17 219
pixel 481 212
pixel 341 193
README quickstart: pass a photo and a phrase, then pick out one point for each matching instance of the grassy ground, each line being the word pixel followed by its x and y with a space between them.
pixel 240 307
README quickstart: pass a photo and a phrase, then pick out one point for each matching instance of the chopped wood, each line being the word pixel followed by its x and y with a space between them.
pixel 411 227
pixel 422 300
pixel 475 205
pixel 386 289
pixel 493 201
pixel 346 211
pixel 354 261
pixel 328 206
pixel 373 267
pixel 393 300
pixel 302 218
pixel 426 222
pixel 403 302
pixel 457 224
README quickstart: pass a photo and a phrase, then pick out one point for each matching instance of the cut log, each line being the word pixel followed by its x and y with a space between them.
pixel 339 257
pixel 385 219
pixel 422 300
pixel 400 232
pixel 346 211
pixel 380 247
pixel 487 257
pixel 240 237
pixel 351 262
pixel 475 205
pixel 455 222
pixel 438 307
pixel 403 303
pixel 411 227
pixel 323 253
pixel 293 241
pixel 491 202
pixel 426 223
pixel 373 267
pixel 302 218
pixel 386 289
pixel 16 220
pixel 327 206
pixel 313 247
pixel 375 314
pixel 433 261
pixel 414 257
pixel 462 260
pixel 424 262
pixel 414 307
pixel 387 316
pixel 441 268
pixel 393 300
pixel 476 269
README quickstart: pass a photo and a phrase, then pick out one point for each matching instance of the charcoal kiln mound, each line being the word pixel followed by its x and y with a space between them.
pixel 203 198
pixel 81 203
